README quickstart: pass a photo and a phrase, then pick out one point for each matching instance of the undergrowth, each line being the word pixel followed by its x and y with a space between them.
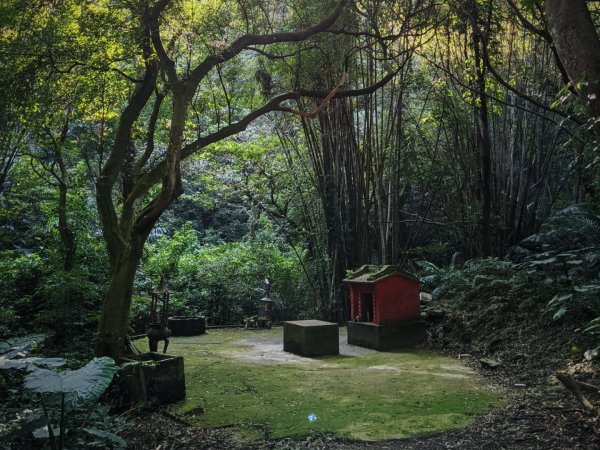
pixel 551 276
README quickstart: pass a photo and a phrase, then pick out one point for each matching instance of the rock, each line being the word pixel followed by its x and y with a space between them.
pixel 155 375
pixel 489 363
pixel 434 314
pixel 425 297
pixel 187 325
pixel 591 354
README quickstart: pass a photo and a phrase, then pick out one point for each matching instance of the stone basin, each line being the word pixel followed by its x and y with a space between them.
pixel 157 376
pixel 187 325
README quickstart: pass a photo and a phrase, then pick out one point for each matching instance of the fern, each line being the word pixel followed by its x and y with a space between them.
pixel 554 272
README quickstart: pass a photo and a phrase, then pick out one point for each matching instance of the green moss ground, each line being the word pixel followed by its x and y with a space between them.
pixel 243 380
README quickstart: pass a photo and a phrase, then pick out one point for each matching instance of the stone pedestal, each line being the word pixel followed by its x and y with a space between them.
pixel 386 337
pixel 311 338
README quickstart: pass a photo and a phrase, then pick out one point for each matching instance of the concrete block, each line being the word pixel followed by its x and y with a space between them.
pixel 311 338
pixel 386 337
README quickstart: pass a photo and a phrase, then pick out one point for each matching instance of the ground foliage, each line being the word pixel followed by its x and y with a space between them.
pixel 34 397
pixel 551 274
pixel 533 420
pixel 244 380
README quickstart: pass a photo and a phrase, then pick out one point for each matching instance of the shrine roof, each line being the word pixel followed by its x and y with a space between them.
pixel 372 274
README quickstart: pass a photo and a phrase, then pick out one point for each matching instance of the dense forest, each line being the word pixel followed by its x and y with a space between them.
pixel 211 144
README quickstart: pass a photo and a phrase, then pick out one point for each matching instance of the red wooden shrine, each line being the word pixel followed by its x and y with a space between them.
pixel 383 295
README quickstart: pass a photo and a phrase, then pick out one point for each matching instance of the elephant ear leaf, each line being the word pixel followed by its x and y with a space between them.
pixel 79 386
pixel 44 381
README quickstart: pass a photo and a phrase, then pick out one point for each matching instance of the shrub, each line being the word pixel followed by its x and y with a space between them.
pixel 222 280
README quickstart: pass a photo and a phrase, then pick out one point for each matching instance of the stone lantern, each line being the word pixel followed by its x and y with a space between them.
pixel 265 306
pixel 157 328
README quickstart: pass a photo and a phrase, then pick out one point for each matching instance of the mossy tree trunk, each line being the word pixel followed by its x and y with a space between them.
pixel 117 301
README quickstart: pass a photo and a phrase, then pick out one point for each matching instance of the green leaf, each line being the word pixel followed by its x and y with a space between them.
pixel 79 386
pixel 27 425
pixel 29 364
pixel 107 435
pixel 592 329
pixel 559 298
pixel 586 288
pixel 543 262
pixel 43 433
pixel 560 313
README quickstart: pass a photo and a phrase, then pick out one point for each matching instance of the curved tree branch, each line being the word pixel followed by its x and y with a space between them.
pixel 139 164
pixel 152 176
pixel 262 39
pixel 112 167
pixel 166 63
pixel 324 104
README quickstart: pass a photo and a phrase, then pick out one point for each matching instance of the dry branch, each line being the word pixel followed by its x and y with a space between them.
pixel 588 387
pixel 575 389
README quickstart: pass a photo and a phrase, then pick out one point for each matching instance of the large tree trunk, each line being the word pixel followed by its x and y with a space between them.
pixel 578 47
pixel 113 324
